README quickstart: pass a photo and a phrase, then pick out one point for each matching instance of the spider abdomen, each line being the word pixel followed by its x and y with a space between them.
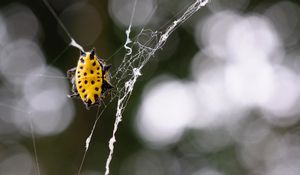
pixel 88 78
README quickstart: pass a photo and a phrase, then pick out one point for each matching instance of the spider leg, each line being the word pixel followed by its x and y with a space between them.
pixel 95 104
pixel 74 89
pixel 101 61
pixel 106 86
pixel 71 73
pixel 73 95
pixel 106 68
pixel 87 106
pixel 98 101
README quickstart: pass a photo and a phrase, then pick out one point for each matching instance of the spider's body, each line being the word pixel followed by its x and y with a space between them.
pixel 89 79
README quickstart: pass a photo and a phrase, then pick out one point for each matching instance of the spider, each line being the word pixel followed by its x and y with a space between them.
pixel 90 79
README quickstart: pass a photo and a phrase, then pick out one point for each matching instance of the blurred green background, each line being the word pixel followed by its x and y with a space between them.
pixel 220 98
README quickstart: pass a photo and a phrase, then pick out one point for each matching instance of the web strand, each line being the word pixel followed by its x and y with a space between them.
pixel 88 140
pixel 146 52
pixel 72 42
pixel 128 40
pixel 34 148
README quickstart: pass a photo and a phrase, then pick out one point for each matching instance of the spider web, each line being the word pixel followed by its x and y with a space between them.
pixel 139 50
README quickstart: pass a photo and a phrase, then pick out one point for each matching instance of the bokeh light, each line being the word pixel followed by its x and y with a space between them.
pixel 166 111
pixel 206 171
pixel 19 58
pixel 21 22
pixel 83 22
pixel 285 17
pixel 121 11
pixel 44 104
pixel 151 162
pixel 33 94
pixel 220 5
pixel 220 97
pixel 17 160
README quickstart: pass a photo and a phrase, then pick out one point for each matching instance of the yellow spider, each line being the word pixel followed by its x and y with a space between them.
pixel 90 79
